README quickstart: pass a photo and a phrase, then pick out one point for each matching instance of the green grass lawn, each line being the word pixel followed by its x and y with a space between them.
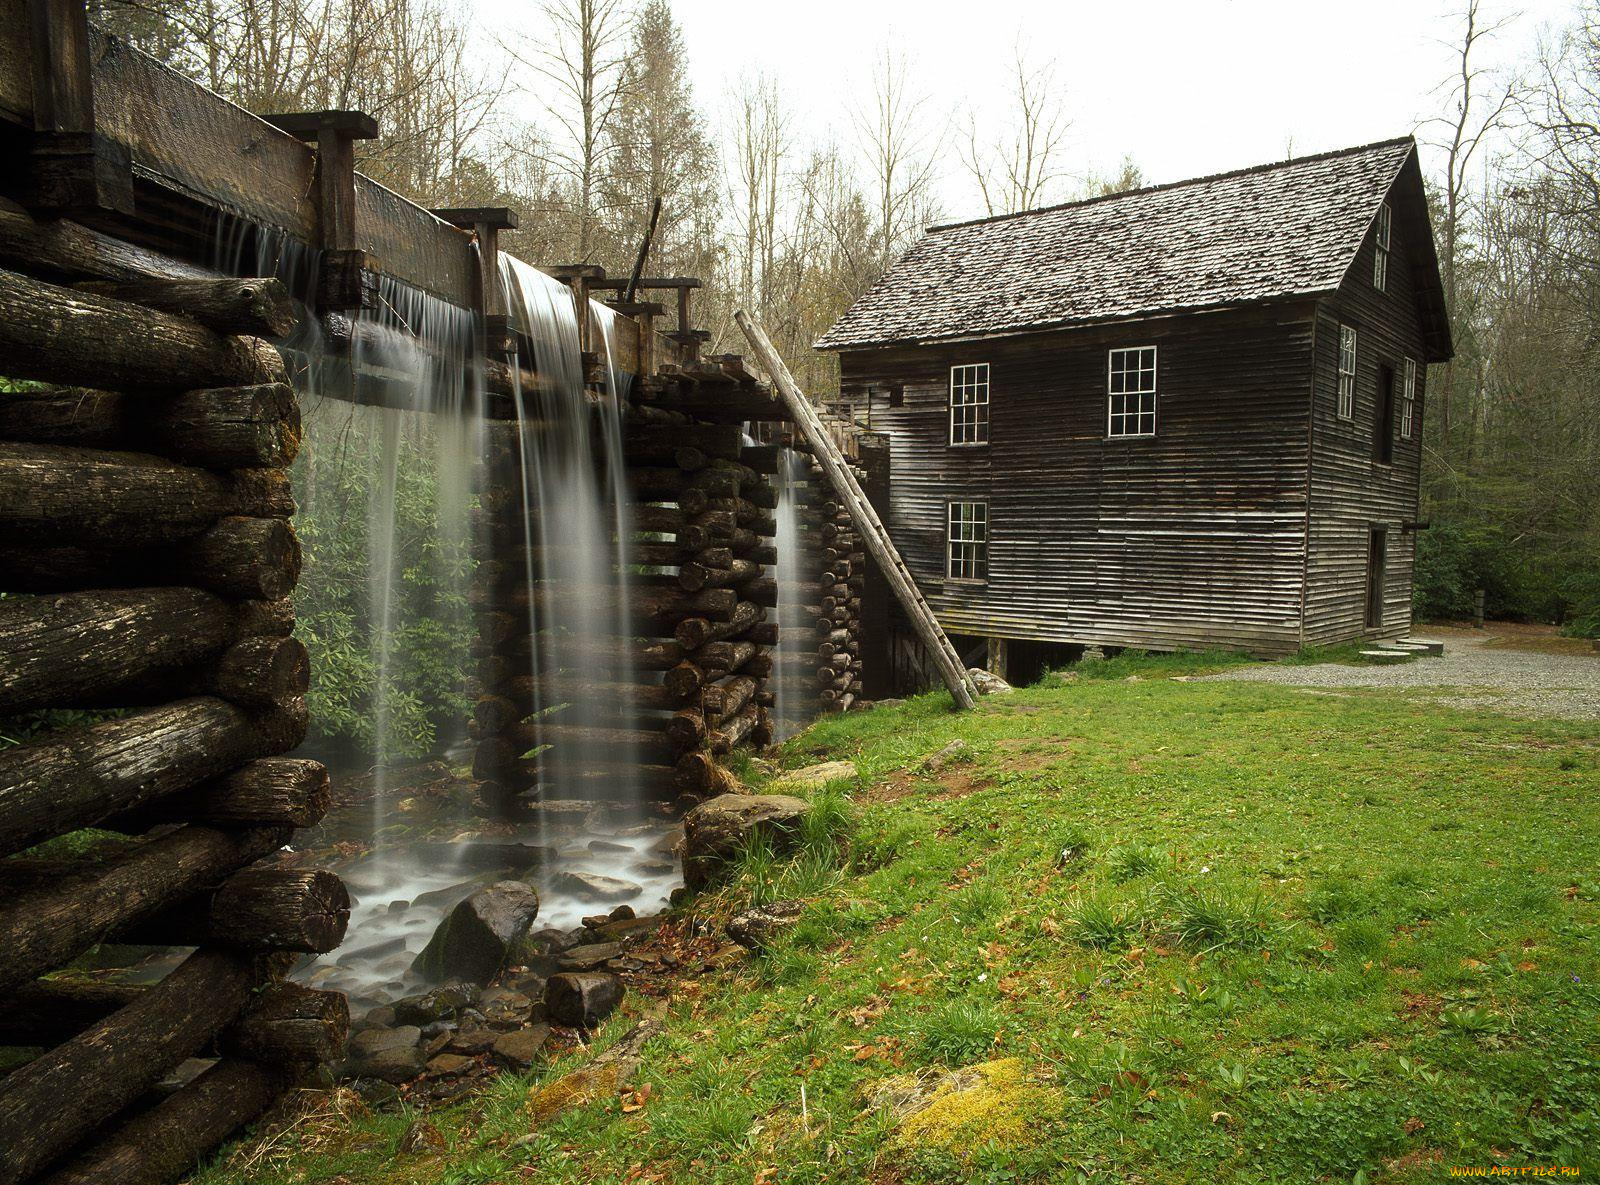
pixel 1201 932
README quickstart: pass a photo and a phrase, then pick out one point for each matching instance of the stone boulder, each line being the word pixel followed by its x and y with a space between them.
pixel 582 999
pixel 717 830
pixel 520 1049
pixel 814 777
pixel 988 684
pixel 389 1055
pixel 592 886
pixel 953 752
pixel 477 936
pixel 757 927
pixel 443 1003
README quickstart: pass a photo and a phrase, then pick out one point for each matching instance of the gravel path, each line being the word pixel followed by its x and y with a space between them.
pixel 1477 672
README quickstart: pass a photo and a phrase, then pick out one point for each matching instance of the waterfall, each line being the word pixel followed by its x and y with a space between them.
pixel 796 658
pixel 576 531
pixel 389 472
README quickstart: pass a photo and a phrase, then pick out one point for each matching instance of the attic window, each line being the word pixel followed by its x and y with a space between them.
pixel 967 550
pixel 969 404
pixel 1131 391
pixel 1408 400
pixel 1380 258
pixel 1347 372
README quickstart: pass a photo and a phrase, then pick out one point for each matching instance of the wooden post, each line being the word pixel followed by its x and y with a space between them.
pixel 873 532
pixel 75 169
pixel 348 280
pixel 486 223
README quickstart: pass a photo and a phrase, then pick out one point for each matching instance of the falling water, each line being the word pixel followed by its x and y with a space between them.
pixel 394 436
pixel 796 655
pixel 576 531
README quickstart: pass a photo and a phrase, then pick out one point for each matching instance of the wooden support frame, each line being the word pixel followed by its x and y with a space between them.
pixel 348 279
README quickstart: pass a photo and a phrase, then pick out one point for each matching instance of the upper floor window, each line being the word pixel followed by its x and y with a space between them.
pixel 1347 372
pixel 1380 257
pixel 967 546
pixel 1131 391
pixel 969 404
pixel 1408 400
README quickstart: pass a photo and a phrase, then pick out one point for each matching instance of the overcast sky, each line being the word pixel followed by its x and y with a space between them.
pixel 1184 88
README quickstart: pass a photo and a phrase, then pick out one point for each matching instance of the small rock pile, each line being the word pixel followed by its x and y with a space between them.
pixel 446 1041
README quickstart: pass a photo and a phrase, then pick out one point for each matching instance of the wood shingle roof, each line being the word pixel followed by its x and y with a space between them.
pixel 1278 231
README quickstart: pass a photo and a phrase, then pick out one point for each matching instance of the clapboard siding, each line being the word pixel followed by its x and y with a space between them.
pixel 1193 538
pixel 1349 490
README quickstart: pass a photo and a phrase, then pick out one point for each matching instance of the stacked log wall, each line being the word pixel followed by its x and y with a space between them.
pixel 146 564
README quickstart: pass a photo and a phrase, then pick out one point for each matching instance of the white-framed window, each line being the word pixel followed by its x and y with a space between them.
pixel 1347 372
pixel 967 547
pixel 1131 391
pixel 969 403
pixel 1408 400
pixel 1380 257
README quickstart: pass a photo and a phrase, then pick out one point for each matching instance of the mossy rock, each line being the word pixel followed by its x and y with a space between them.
pixel 989 1104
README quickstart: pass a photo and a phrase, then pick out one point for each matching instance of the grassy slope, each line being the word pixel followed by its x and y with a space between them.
pixel 1297 937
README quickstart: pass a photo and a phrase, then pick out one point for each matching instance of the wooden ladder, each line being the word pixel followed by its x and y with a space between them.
pixel 873 533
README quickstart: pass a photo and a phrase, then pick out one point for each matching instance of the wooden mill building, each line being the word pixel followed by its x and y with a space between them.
pixel 1182 417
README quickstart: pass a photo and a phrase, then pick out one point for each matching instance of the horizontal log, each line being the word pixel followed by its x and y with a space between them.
pixel 726 696
pixel 47 1012
pixel 694 632
pixel 271 792
pixel 685 729
pixel 70 251
pixel 694 576
pixel 649 482
pixel 290 1026
pixel 763 591
pixel 91 649
pixel 731 732
pixel 242 557
pixel 531 733
pixel 55 1100
pixel 259 909
pixel 725 657
pixel 261 672
pixel 53 910
pixel 78 776
pixel 69 496
pixel 659 442
pixel 165 1142
pixel 53 334
pixel 256 305
pixel 607 657
pixel 116 649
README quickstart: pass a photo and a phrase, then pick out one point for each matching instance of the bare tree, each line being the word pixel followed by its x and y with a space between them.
pixel 760 135
pixel 584 61
pixel 893 138
pixel 1021 167
pixel 1471 120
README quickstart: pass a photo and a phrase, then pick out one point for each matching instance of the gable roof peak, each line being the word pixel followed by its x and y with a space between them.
pixel 1284 230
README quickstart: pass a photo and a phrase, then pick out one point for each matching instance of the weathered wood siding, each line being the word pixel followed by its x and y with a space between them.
pixel 1192 538
pixel 1350 491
